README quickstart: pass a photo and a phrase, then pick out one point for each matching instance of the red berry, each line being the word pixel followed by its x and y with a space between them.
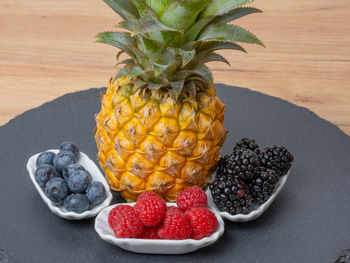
pixel 150 210
pixel 191 197
pixel 176 226
pixel 203 221
pixel 116 211
pixel 240 193
pixel 128 225
pixel 173 208
pixel 147 194
pixel 150 232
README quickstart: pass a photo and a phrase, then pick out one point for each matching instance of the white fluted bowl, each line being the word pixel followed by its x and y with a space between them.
pixel 59 210
pixel 255 210
pixel 153 246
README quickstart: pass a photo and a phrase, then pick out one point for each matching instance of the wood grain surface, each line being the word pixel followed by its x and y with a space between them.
pixel 47 49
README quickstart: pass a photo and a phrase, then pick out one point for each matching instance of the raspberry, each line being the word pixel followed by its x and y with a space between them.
pixel 203 221
pixel 150 232
pixel 116 211
pixel 147 194
pixel 176 225
pixel 191 197
pixel 150 210
pixel 128 225
pixel 171 208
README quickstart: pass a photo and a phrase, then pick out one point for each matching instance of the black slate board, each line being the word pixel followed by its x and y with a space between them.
pixel 308 222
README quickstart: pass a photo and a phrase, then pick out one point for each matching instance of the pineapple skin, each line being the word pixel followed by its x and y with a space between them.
pixel 148 142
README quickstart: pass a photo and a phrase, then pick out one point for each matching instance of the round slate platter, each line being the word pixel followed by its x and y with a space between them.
pixel 308 222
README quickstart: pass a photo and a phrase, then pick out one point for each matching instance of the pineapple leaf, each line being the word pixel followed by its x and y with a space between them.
pixel 170 70
pixel 121 37
pixel 217 45
pixel 118 45
pixel 151 48
pixel 126 25
pixel 176 88
pixel 190 87
pixel 155 86
pixel 214 57
pixel 136 71
pixel 156 51
pixel 204 72
pixel 149 23
pixel 126 62
pixel 168 57
pixel 186 56
pixel 193 32
pixel 119 54
pixel 138 84
pixel 229 32
pixel 123 8
pixel 151 26
pixel 143 8
pixel 160 69
pixel 158 5
pixel 117 39
pixel 124 71
pixel 220 7
pixel 182 14
pixel 235 14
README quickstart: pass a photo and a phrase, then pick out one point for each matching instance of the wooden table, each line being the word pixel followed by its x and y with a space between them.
pixel 47 49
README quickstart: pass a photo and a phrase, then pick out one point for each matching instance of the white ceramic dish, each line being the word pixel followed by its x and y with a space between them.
pixel 153 246
pixel 256 210
pixel 96 175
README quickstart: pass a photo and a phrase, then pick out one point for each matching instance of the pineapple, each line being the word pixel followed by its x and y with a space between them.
pixel 160 127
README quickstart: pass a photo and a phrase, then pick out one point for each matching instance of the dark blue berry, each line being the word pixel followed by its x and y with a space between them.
pixel 45 158
pixel 78 181
pixel 44 173
pixel 56 190
pixel 68 170
pixel 77 203
pixel 70 147
pixel 63 159
pixel 96 193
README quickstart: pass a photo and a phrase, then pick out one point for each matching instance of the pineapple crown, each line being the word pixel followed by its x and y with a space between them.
pixel 169 41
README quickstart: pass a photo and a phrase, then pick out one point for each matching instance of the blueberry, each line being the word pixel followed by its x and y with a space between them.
pixel 68 170
pixel 96 193
pixel 63 159
pixel 70 147
pixel 78 181
pixel 45 158
pixel 44 173
pixel 56 190
pixel 76 203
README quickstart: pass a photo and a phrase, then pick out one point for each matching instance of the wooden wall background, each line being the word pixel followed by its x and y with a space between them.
pixel 47 49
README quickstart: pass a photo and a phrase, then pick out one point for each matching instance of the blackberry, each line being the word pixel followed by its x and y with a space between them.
pixel 246 143
pixel 277 158
pixel 222 167
pixel 345 258
pixel 230 195
pixel 242 164
pixel 263 185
